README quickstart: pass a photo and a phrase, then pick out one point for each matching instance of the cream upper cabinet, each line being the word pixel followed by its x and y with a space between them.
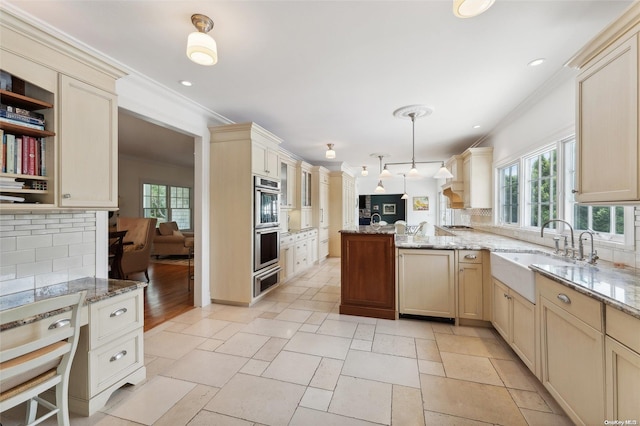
pixel 426 282
pixel 304 185
pixel 88 140
pixel 607 123
pixel 76 93
pixel 477 181
pixel 265 160
pixel 571 349
pixel 287 184
pixel 622 360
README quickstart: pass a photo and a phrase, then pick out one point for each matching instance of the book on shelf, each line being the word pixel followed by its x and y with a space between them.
pixel 21 117
pixel 11 183
pixel 21 123
pixel 10 199
pixel 3 153
pixel 23 155
pixel 11 111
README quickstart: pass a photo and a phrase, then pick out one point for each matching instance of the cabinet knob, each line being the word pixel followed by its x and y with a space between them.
pixel 574 191
pixel 66 195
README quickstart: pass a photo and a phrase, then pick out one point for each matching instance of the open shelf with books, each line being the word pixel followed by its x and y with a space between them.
pixel 27 157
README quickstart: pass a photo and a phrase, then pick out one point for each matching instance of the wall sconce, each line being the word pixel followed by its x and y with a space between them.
pixel 201 47
pixel 330 154
pixel 470 8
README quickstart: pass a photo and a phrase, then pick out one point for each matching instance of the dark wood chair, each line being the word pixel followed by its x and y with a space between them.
pixel 116 248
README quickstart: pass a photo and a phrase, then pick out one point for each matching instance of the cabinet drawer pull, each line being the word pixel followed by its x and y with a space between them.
pixel 66 195
pixel 60 323
pixel 118 312
pixel 564 298
pixel 471 256
pixel 118 356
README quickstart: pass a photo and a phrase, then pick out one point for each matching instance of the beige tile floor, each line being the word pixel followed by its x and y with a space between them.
pixel 293 360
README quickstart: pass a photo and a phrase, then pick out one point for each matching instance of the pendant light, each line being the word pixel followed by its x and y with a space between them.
pixel 380 188
pixel 443 173
pixel 405 196
pixel 330 154
pixel 201 47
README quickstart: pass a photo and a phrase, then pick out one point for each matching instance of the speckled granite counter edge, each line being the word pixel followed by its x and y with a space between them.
pixel 593 294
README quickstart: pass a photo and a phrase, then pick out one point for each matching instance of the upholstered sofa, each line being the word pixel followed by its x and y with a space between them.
pixel 169 240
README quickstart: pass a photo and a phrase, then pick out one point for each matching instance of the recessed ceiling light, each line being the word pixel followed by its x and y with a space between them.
pixel 477 126
pixel 536 62
pixel 186 83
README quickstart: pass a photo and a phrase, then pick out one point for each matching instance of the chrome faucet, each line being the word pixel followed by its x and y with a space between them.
pixel 371 223
pixel 566 249
pixel 593 256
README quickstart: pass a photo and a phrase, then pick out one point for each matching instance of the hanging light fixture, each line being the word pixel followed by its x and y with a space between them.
pixel 380 187
pixel 330 154
pixel 470 8
pixel 364 171
pixel 414 112
pixel 443 173
pixel 201 47
pixel 405 196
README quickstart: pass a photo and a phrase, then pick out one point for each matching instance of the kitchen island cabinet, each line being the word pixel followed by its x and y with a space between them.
pixel 368 278
pixel 426 282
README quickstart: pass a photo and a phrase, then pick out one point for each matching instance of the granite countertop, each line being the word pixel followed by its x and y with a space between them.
pixel 619 288
pixel 368 229
pixel 97 289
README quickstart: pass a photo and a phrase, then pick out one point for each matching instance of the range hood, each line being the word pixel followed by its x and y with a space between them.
pixel 454 191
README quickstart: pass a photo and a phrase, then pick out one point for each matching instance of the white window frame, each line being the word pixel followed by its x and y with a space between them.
pixel 526 189
pixel 564 208
pixel 168 201
pixel 500 193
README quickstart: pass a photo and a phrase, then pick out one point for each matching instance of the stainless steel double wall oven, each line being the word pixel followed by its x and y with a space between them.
pixel 266 234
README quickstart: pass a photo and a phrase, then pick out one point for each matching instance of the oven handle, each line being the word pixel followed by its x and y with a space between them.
pixel 267 190
pixel 263 229
pixel 269 272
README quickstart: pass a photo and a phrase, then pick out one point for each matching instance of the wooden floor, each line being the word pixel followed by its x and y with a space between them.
pixel 166 296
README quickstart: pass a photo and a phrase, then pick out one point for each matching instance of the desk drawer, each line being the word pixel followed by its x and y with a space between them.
pixel 115 361
pixel 113 317
pixel 33 331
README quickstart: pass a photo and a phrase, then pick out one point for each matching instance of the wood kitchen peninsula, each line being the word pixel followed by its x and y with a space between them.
pixel 110 350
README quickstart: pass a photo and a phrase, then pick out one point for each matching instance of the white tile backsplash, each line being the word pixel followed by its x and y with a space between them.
pixel 44 248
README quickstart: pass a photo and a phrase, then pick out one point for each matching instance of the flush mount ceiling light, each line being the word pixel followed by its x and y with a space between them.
pixel 470 8
pixel 364 171
pixel 413 112
pixel 330 154
pixel 536 62
pixel 201 47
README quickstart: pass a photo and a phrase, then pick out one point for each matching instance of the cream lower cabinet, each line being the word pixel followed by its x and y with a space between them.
pixel 287 257
pixel 622 361
pixel 470 280
pixel 110 352
pixel 426 282
pixel 514 318
pixel 571 348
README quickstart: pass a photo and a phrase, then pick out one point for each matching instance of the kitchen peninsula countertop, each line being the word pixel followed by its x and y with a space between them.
pixel 97 289
pixel 617 287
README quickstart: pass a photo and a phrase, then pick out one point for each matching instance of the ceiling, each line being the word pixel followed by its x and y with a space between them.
pixel 318 72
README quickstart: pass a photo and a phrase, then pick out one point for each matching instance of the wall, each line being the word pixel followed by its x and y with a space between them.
pixel 546 117
pixel 133 172
pixel 45 248
pixel 421 187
